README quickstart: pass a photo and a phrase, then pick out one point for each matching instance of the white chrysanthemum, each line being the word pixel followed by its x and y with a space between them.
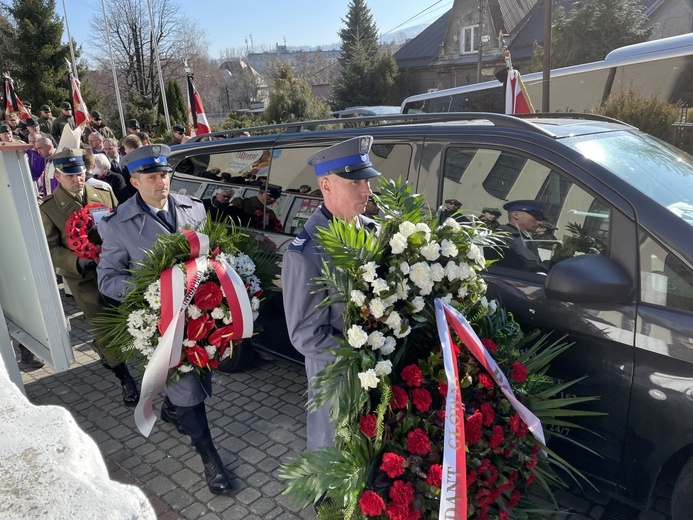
pixel 402 290
pixel 389 346
pixel 492 307
pixel 254 304
pixel 211 351
pixel 407 229
pixel 358 297
pixel 185 368
pixel 357 336
pixel 421 226
pixel 218 313
pixel 484 302
pixel 404 267
pixel 376 340
pixel 402 333
pixel 242 264
pixel 187 343
pixel 477 254
pixel 482 285
pixel 448 248
pixel 464 271
pixel 193 312
pixel 383 368
pixel 447 298
pixel 394 321
pixel 228 319
pixel 377 308
pixel 253 284
pixel 369 379
pixel 379 285
pixel 431 251
pixel 398 243
pixel 452 271
pixel 420 274
pixel 437 272
pixel 153 295
pixel 368 271
pixel 462 291
pixel 390 300
pixel 426 289
pixel 419 303
pixel 451 222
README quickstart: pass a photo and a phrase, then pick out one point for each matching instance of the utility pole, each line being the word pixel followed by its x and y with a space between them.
pixel 482 10
pixel 546 64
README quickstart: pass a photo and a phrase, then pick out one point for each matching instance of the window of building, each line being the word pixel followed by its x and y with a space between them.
pixel 468 39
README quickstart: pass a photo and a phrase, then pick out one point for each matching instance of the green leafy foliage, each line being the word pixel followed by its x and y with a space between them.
pixel 292 100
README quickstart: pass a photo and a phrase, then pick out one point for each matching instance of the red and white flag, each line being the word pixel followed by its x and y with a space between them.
pixel 516 98
pixel 80 112
pixel 197 119
pixel 12 102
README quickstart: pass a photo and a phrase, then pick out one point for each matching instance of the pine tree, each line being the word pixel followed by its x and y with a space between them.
pixel 177 109
pixel 292 100
pixel 360 31
pixel 36 57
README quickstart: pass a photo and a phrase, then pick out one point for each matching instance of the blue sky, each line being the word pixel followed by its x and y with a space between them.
pixel 228 23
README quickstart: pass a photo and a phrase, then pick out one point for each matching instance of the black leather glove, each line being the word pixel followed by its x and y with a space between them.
pixel 84 266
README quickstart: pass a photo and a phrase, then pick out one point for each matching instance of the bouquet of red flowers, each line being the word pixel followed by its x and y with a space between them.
pixel 82 237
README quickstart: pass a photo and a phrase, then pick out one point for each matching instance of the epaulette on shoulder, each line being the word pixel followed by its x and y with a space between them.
pixel 195 199
pixel 45 199
pixel 109 215
pixel 299 243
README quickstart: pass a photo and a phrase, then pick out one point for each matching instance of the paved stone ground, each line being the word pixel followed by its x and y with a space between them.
pixel 258 423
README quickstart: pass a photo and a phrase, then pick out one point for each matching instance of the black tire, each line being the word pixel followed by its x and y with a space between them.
pixel 682 496
pixel 240 358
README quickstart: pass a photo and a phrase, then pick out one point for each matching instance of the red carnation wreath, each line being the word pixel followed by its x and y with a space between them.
pixel 82 238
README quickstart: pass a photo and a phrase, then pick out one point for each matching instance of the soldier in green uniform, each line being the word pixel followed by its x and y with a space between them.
pixel 65 118
pixel 71 195
pixel 46 119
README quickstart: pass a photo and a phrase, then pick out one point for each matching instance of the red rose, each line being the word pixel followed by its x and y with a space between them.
pixel 519 372
pixel 402 492
pixel 443 388
pixel 489 345
pixel 496 437
pixel 208 296
pixel 473 428
pixel 371 503
pixel 399 398
pixel 412 375
pixel 392 464
pixel 368 424
pixel 422 399
pixel 441 414
pixel 486 381
pixel 488 414
pixel 197 356
pixel 418 442
pixel 492 479
pixel 435 475
pixel 471 478
pixel 221 337
pixel 198 328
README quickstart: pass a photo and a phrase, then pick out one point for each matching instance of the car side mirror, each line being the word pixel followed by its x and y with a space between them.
pixel 588 279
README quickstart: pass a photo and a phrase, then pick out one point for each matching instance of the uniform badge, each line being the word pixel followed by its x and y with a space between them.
pixel 156 150
pixel 364 145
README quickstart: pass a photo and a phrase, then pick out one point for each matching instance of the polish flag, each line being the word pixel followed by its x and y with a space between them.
pixel 198 119
pixel 80 112
pixel 516 98
pixel 12 102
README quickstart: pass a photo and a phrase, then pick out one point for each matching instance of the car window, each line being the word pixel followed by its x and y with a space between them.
pixel 664 279
pixel 575 222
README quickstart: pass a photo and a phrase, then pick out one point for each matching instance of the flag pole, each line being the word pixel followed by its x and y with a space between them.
pixel 158 66
pixel 69 41
pixel 113 68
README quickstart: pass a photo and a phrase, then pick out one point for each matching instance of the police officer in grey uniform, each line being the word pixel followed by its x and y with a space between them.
pixel 127 234
pixel 344 172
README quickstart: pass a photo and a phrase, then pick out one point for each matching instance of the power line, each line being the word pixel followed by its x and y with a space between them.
pixel 412 18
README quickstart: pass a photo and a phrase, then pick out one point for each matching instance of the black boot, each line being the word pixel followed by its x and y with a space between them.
pixel 218 480
pixel 29 359
pixel 169 415
pixel 130 393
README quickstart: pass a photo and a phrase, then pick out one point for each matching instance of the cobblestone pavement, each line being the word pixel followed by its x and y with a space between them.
pixel 257 420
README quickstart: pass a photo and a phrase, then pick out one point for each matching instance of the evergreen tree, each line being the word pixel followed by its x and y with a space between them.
pixel 35 56
pixel 177 109
pixel 292 100
pixel 360 31
pixel 593 30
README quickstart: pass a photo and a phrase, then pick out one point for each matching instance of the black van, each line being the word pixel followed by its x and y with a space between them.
pixel 620 282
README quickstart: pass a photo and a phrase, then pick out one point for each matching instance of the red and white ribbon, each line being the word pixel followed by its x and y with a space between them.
pixel 177 291
pixel 453 495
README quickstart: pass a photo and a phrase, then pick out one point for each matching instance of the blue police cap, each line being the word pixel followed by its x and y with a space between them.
pixel 528 206
pixel 69 161
pixel 348 159
pixel 148 159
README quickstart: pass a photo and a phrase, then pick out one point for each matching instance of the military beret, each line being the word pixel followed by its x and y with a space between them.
pixel 148 159
pixel 528 206
pixel 454 202
pixel 4 129
pixel 95 115
pixel 65 105
pixel 69 161
pixel 178 128
pixel 349 159
pixel 30 121
pixel 133 123
pixel 45 107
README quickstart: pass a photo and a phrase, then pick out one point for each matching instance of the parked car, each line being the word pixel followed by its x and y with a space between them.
pixel 620 283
